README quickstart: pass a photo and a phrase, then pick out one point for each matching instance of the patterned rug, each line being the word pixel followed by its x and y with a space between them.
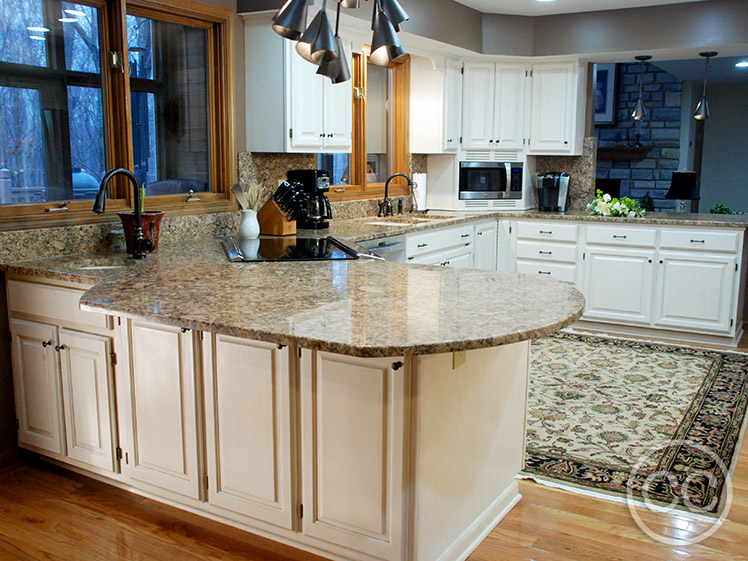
pixel 656 421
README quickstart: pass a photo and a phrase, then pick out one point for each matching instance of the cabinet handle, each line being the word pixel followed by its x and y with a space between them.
pixel 184 329
pixel 649 261
pixel 698 241
pixel 465 236
pixel 615 237
pixel 480 233
pixel 661 261
pixel 329 135
pixel 544 272
pixel 545 252
pixel 545 231
pixel 322 135
pixel 397 365
pixel 46 344
pixel 59 348
pixel 422 245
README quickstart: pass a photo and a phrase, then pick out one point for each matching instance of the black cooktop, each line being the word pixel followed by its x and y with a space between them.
pixel 289 248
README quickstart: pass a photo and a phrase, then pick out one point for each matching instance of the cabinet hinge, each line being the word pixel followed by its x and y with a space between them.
pixel 118 452
pixel 510 229
pixel 732 322
pixel 290 133
pixel 200 335
pixel 298 353
pixel 206 483
pixel 301 512
pixel 584 256
pixel 113 358
pixel 460 140
pixel 462 70
pixel 530 73
pixel 736 266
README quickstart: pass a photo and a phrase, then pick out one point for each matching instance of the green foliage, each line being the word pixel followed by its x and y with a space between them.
pixel 605 205
pixel 720 209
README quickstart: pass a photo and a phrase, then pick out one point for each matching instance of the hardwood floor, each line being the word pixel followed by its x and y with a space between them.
pixel 47 513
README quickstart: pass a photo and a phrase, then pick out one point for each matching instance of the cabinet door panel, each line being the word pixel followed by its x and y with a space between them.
pixel 695 291
pixel 618 285
pixel 86 391
pixel 478 99
pixel 163 412
pixel 452 104
pixel 36 379
pixel 338 114
pixel 509 109
pixel 486 239
pixel 306 109
pixel 353 425
pixel 248 428
pixel 553 105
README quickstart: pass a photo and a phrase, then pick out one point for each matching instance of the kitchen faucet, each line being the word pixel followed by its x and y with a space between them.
pixel 385 206
pixel 141 244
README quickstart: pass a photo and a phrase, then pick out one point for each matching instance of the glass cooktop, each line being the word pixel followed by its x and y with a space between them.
pixel 289 248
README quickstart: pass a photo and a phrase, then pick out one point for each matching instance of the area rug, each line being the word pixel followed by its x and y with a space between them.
pixel 654 421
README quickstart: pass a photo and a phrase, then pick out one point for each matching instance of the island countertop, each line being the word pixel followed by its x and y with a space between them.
pixel 361 307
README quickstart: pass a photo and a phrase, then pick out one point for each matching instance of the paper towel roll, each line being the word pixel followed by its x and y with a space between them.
pixel 419 190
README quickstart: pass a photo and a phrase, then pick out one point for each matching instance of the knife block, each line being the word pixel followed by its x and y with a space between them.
pixel 273 221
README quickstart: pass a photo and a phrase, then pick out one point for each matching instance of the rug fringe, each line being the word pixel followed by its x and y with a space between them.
pixel 616 498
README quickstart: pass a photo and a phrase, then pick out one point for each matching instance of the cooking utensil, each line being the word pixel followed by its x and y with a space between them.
pixel 240 197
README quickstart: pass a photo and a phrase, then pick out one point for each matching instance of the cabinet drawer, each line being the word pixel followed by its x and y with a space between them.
pixel 534 230
pixel 699 240
pixel 545 251
pixel 51 302
pixel 556 271
pixel 623 235
pixel 438 240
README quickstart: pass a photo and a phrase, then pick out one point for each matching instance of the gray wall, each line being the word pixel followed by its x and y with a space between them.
pixel 725 140
pixel 508 35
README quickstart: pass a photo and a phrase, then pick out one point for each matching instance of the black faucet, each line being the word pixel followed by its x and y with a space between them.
pixel 385 206
pixel 141 244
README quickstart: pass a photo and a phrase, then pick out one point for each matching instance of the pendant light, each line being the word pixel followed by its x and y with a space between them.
pixel 353 4
pixel 290 20
pixel 639 110
pixel 385 45
pixel 395 12
pixel 337 69
pixel 317 44
pixel 702 109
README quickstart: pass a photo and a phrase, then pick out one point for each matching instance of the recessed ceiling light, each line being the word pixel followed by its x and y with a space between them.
pixel 75 13
pixel 37 38
pixel 68 20
pixel 742 64
pixel 38 29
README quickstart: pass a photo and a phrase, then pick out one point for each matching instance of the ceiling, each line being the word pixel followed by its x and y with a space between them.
pixel 545 8
pixel 721 70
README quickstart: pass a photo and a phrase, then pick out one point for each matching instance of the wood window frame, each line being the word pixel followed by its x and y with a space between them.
pixel 118 124
pixel 359 189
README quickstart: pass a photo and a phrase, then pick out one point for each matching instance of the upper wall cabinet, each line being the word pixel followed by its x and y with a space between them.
pixel 494 106
pixel 289 107
pixel 557 112
pixel 435 105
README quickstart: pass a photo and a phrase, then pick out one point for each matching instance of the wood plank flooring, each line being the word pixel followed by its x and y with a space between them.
pixel 50 514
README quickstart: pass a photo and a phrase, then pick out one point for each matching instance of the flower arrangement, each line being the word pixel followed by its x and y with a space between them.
pixel 605 205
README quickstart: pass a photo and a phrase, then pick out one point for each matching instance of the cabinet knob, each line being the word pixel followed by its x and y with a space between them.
pixel 59 348
pixel 661 261
pixel 566 142
pixel 184 329
pixel 46 344
pixel 322 135
pixel 490 141
pixel 397 365
pixel 649 260
pixel 280 347
pixel 329 135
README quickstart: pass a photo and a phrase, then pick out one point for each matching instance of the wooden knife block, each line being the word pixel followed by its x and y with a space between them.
pixel 273 221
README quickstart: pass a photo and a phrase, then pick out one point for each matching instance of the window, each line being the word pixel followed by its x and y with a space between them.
pixel 68 112
pixel 380 134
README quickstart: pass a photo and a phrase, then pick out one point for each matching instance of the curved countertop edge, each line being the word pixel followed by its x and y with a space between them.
pixel 363 351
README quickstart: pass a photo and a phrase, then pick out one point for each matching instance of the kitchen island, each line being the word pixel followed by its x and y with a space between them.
pixel 355 409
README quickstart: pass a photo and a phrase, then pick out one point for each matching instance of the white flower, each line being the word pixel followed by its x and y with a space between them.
pixel 606 197
pixel 631 214
pixel 617 206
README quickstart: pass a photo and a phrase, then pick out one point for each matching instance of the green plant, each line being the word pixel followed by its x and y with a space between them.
pixel 720 209
pixel 605 205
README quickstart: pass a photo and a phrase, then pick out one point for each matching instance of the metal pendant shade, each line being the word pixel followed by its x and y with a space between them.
pixel 304 45
pixel 337 69
pixel 385 45
pixel 290 20
pixel 640 112
pixel 349 3
pixel 324 48
pixel 395 12
pixel 702 109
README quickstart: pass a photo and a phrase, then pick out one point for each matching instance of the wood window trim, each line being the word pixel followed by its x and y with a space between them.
pixel 359 189
pixel 118 124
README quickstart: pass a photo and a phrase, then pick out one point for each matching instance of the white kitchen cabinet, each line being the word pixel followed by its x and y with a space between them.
pixel 448 247
pixel 494 106
pixel 695 291
pixel 88 397
pixel 435 105
pixel 485 250
pixel 618 284
pixel 63 377
pixel 556 115
pixel 547 248
pixel 250 450
pixel 292 108
pixel 353 419
pixel 37 385
pixel 160 412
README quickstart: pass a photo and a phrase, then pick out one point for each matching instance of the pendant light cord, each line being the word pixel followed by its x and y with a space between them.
pixel 337 21
pixel 706 69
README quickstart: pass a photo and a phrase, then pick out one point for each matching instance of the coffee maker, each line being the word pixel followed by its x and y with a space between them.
pixel 553 191
pixel 315 183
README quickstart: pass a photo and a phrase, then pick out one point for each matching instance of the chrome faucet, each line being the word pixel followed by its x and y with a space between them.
pixel 385 206
pixel 141 244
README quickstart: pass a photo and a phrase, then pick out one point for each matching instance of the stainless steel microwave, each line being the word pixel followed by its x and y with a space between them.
pixel 490 180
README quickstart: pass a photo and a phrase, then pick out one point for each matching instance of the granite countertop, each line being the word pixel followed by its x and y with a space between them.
pixel 363 308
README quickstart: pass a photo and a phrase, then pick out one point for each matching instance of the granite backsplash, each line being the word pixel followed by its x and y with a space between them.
pixel 581 168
